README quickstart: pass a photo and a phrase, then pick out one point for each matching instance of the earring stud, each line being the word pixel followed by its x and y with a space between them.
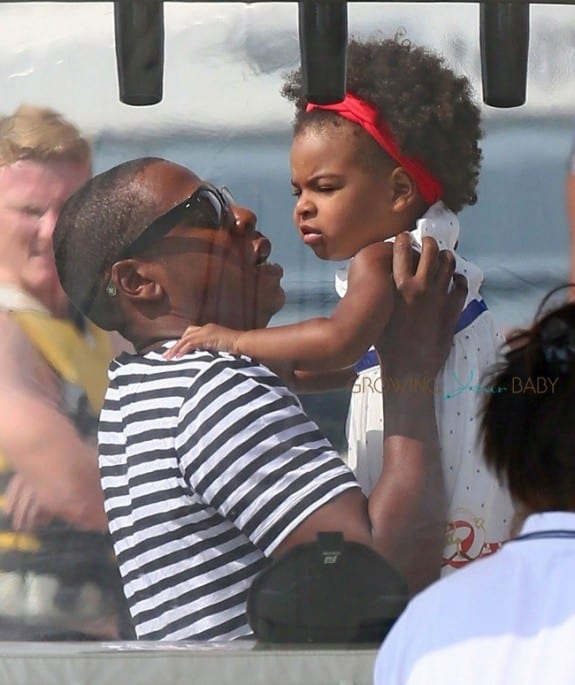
pixel 111 289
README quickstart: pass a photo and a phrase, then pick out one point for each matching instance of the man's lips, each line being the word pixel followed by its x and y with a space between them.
pixel 271 269
pixel 262 250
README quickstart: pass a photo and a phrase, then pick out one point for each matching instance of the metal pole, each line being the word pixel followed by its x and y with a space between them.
pixel 323 49
pixel 139 31
pixel 504 42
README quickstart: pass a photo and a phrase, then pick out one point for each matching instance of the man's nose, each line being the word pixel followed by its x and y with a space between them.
pixel 48 223
pixel 246 219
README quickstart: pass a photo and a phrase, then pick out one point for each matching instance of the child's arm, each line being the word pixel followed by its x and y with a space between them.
pixel 305 382
pixel 330 342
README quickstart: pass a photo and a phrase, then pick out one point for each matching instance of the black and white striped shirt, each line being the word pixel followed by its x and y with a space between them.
pixel 207 463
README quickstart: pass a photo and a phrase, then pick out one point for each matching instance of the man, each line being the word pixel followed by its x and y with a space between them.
pixel 209 465
pixel 58 579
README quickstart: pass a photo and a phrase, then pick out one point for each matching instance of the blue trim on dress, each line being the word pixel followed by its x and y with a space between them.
pixel 466 318
pixel 368 360
pixel 469 314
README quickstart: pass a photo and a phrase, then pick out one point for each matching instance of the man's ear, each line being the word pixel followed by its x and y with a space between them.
pixel 405 192
pixel 136 280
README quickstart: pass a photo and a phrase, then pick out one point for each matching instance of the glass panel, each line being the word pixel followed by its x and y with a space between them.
pixel 221 116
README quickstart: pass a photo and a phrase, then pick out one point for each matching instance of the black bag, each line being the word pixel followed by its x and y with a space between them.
pixel 326 591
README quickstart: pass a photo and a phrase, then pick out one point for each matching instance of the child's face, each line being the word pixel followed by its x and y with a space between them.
pixel 342 206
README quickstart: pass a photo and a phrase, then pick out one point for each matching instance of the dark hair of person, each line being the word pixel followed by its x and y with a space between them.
pixel 528 417
pixel 103 216
pixel 429 109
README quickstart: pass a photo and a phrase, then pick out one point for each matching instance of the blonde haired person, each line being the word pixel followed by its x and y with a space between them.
pixel 58 578
pixel 40 133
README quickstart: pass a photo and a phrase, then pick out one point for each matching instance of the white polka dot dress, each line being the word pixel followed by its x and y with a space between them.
pixel 480 512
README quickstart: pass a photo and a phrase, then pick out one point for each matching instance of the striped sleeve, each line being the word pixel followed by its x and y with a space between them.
pixel 247 448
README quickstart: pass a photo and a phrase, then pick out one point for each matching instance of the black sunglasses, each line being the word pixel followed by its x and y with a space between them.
pixel 207 207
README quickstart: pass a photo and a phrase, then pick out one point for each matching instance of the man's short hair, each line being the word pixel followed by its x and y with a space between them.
pixel 40 134
pixel 95 224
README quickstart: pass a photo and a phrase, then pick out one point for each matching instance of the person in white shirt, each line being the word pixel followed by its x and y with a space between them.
pixel 510 618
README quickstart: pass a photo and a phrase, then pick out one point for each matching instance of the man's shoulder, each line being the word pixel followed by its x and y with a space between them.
pixel 226 382
pixel 206 360
pixel 24 368
pixel 16 349
pixel 222 367
pixel 196 366
pixel 9 325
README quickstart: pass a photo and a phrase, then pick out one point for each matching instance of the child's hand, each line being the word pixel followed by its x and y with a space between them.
pixel 208 337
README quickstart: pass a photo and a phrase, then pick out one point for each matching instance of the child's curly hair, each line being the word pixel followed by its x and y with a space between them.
pixel 429 109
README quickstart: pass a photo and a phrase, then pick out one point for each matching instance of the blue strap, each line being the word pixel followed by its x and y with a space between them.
pixel 469 314
pixel 467 317
pixel 368 360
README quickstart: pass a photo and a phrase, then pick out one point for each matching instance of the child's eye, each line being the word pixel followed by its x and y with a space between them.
pixel 326 189
pixel 296 192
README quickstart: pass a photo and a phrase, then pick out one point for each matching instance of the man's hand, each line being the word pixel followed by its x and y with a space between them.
pixel 418 337
pixel 22 506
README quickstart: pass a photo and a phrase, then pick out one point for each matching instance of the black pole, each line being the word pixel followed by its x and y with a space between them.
pixel 323 49
pixel 139 31
pixel 504 39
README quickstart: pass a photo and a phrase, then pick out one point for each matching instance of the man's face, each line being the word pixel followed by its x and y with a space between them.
pixel 215 275
pixel 31 196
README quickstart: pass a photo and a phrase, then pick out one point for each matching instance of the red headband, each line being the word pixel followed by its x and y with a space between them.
pixel 366 115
